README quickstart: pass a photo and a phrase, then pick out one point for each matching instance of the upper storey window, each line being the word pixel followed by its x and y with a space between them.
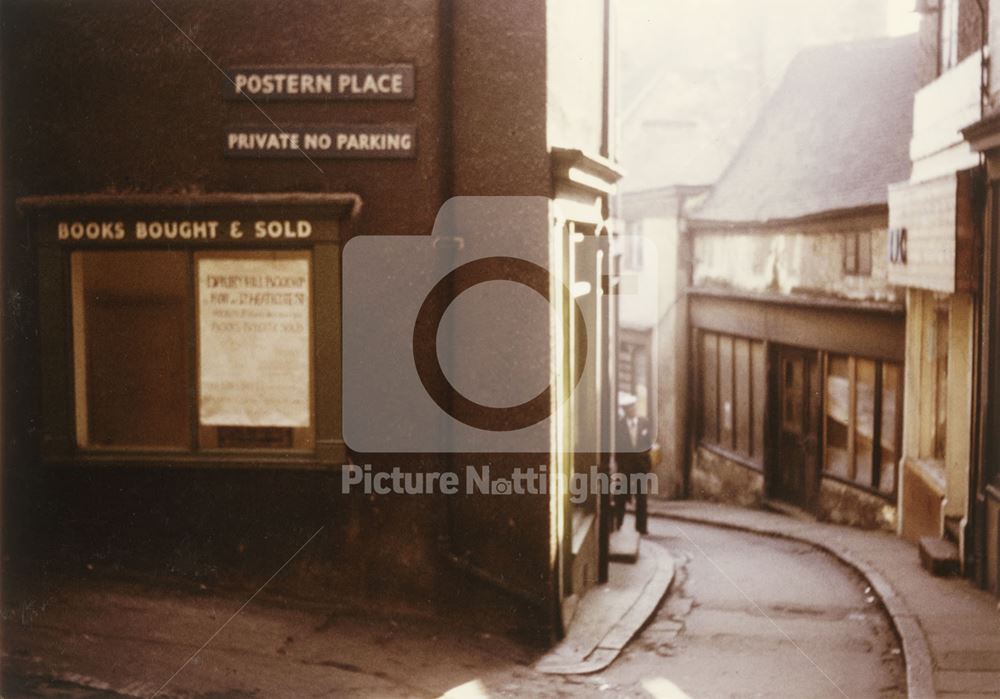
pixel 948 35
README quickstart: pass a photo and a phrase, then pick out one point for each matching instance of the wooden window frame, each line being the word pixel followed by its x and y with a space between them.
pixel 330 214
pixel 303 439
pixel 941 319
pixel 857 254
pixel 727 443
pixel 81 354
pixel 948 31
pixel 852 426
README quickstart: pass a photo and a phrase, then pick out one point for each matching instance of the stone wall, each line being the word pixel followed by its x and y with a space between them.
pixel 844 504
pixel 719 479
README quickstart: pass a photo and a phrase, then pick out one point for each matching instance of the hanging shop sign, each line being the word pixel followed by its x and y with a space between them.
pixel 140 231
pixel 342 82
pixel 253 342
pixel 334 141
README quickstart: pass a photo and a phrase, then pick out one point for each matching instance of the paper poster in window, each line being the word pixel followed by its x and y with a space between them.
pixel 254 342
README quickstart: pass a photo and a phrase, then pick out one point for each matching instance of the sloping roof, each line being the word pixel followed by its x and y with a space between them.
pixel 833 136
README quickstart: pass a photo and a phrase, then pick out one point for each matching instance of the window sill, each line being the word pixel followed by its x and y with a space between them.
pixel 299 461
pixel 930 471
pixel 733 456
pixel 889 497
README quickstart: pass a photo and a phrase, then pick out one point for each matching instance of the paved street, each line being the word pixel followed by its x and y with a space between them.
pixel 950 629
pixel 761 617
pixel 748 616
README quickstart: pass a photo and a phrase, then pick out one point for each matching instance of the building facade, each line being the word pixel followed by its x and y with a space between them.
pixel 181 183
pixel 938 218
pixel 797 333
pixel 692 83
pixel 935 233
pixel 653 342
pixel 972 233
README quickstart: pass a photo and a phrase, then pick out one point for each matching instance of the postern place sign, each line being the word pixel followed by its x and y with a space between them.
pixel 334 141
pixel 359 82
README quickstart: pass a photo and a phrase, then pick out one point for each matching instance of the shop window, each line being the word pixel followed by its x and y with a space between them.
pixel 864 428
pixel 742 413
pixel 708 397
pixel 863 421
pixel 892 426
pixel 254 349
pixel 731 395
pixel 940 349
pixel 858 254
pixel 758 399
pixel 726 410
pixel 131 326
pixel 838 417
pixel 221 340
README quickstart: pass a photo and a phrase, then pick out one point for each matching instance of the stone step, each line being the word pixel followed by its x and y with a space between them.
pixel 939 556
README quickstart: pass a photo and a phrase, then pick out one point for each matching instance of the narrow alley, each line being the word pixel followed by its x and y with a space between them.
pixel 475 349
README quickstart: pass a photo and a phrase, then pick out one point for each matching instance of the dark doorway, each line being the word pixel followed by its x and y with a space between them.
pixel 793 473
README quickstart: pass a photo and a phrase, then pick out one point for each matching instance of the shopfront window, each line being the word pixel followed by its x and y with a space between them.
pixel 164 340
pixel 940 359
pixel 732 395
pixel 892 425
pixel 131 326
pixel 863 428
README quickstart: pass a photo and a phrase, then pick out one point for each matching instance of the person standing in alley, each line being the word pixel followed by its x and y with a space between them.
pixel 632 455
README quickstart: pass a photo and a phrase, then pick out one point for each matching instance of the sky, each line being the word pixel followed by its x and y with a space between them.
pixel 692 75
pixel 901 18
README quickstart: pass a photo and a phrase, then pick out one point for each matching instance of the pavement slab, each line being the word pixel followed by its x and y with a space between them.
pixel 609 615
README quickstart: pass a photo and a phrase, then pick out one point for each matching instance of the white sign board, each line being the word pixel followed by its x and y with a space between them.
pixel 254 342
